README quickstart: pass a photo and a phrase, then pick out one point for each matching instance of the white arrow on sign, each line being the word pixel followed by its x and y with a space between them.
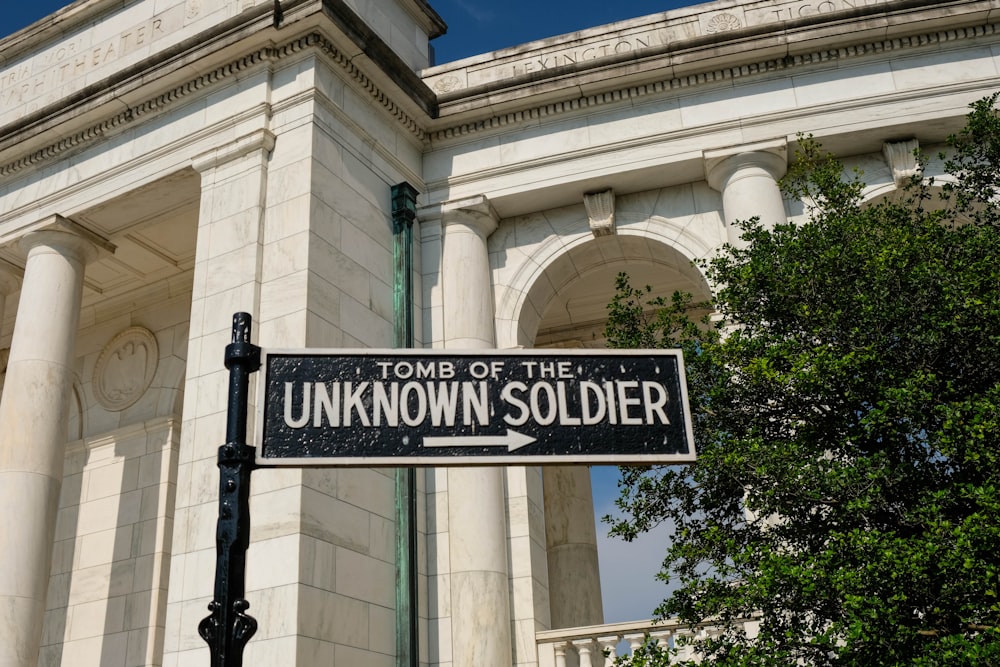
pixel 512 441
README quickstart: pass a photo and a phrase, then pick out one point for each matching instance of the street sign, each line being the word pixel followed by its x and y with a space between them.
pixel 490 407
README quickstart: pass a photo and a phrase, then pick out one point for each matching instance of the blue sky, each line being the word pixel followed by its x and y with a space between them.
pixel 474 26
pixel 480 26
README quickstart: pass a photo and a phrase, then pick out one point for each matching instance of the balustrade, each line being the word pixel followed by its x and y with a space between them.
pixel 599 645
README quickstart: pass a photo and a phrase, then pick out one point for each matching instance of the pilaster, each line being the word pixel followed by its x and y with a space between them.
pixel 226 280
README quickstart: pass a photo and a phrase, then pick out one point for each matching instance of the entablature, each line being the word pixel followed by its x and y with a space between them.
pixel 43 117
pixel 706 44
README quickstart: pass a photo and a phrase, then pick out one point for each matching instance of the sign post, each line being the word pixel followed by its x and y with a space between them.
pixel 429 408
pixel 228 628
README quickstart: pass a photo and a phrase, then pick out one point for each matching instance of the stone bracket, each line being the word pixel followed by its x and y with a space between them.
pixel 901 158
pixel 601 212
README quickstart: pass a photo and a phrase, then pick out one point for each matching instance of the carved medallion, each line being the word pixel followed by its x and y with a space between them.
pixel 125 368
pixel 723 23
pixel 447 84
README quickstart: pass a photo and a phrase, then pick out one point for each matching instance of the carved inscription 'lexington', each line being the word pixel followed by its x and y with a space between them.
pixel 659 32
pixel 585 52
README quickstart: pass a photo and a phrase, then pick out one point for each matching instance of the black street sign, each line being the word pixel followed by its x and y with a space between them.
pixel 446 407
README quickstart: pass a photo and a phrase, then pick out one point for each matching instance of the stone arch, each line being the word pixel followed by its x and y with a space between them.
pixel 879 183
pixel 890 192
pixel 650 245
pixel 568 278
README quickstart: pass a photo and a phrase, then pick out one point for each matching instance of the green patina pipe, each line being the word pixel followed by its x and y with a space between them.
pixel 404 212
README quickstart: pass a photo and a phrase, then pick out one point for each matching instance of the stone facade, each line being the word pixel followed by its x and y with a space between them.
pixel 166 163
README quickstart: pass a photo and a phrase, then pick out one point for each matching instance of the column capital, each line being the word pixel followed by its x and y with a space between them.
pixel 68 237
pixel 722 164
pixel 474 212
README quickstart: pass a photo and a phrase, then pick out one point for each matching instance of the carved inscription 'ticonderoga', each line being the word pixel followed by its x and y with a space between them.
pixel 801 8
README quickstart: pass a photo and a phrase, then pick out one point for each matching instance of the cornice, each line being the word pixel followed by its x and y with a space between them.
pixel 377 95
pixel 497 121
pixel 179 93
pixel 427 16
pixel 417 127
pixel 798 117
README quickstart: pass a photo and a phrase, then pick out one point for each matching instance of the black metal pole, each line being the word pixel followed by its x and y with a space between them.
pixel 228 628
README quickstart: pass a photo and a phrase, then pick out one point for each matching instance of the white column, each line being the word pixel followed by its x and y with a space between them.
pixel 33 432
pixel 480 600
pixel 571 547
pixel 747 176
pixel 465 273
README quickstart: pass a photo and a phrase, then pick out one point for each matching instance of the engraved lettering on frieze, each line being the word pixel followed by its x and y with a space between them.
pixel 723 23
pixel 57 69
pixel 193 8
pixel 794 10
pixel 125 368
pixel 585 52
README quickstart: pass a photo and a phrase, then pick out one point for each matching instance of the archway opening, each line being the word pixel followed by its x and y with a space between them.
pixel 566 307
pixel 572 294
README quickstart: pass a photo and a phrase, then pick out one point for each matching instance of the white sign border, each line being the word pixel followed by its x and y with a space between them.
pixel 464 461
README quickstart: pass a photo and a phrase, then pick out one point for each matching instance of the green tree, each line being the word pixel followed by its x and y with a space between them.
pixel 845 406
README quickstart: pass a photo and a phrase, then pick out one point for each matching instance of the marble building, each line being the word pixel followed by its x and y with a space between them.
pixel 166 163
